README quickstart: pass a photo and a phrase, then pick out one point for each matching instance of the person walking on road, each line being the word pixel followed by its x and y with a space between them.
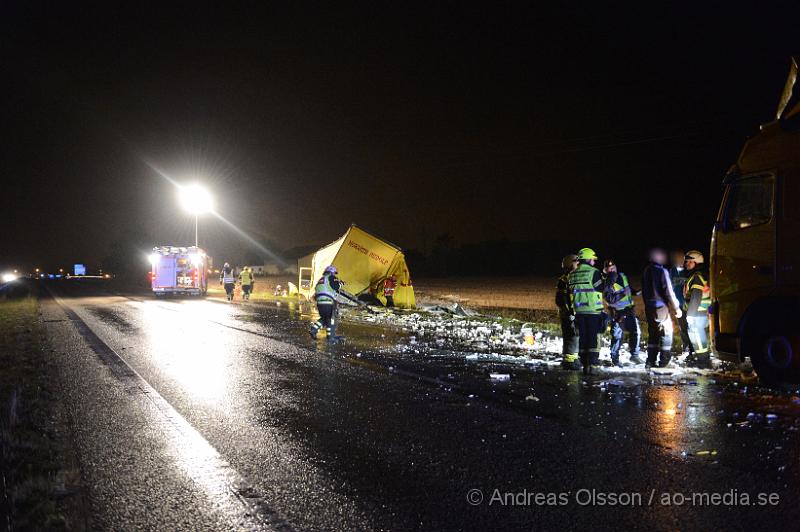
pixel 619 298
pixel 566 315
pixel 325 293
pixel 247 281
pixel 228 280
pixel 678 276
pixel 586 296
pixel 697 296
pixel 660 304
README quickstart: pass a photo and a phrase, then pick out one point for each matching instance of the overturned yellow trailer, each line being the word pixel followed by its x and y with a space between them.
pixel 364 262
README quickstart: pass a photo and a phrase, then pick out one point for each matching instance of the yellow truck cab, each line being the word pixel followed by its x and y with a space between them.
pixel 755 250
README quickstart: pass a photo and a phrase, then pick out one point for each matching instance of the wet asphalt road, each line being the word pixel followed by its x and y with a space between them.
pixel 230 417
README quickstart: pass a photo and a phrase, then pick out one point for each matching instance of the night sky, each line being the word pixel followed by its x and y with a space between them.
pixel 518 121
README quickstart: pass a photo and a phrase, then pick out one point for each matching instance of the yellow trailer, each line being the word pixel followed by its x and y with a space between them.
pixel 364 261
pixel 755 250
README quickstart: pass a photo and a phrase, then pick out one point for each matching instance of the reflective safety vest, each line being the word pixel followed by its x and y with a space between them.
pixel 246 278
pixel 563 300
pixel 227 277
pixel 324 292
pixel 696 281
pixel 586 299
pixel 622 293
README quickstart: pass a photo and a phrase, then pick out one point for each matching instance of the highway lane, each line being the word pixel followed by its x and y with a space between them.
pixel 363 435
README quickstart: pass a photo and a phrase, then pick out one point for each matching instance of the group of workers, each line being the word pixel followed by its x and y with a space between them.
pixel 591 301
pixel 228 278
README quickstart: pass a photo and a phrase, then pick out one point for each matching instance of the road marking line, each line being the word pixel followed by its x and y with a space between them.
pixel 193 454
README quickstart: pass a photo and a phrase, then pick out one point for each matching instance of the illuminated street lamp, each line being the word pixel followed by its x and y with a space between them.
pixel 196 200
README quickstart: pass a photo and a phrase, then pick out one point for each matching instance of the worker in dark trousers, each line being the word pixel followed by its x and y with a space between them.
pixel 622 312
pixel 678 276
pixel 247 281
pixel 660 304
pixel 328 288
pixel 697 295
pixel 389 286
pixel 566 315
pixel 586 294
pixel 228 280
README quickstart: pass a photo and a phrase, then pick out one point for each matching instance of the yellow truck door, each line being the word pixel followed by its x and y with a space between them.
pixel 743 256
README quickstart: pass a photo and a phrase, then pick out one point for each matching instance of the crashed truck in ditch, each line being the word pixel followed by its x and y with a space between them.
pixel 364 262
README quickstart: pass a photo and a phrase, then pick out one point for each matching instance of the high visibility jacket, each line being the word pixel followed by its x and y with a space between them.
pixel 246 278
pixel 586 289
pixel 697 303
pixel 618 292
pixel 389 285
pixel 325 291
pixel 227 277
pixel 563 300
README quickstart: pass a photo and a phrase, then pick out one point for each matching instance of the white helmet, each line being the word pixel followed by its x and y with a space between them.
pixel 694 256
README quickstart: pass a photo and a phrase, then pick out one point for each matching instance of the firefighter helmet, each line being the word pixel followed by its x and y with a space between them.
pixel 569 261
pixel 587 254
pixel 331 269
pixel 695 256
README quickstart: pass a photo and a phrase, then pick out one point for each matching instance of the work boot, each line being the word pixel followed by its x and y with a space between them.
pixel 635 359
pixel 570 365
pixel 615 361
pixel 701 361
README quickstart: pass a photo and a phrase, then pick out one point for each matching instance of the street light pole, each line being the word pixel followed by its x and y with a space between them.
pixel 197 201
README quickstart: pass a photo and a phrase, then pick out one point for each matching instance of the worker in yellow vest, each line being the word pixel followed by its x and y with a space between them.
pixel 622 312
pixel 697 297
pixel 566 315
pixel 247 281
pixel 586 295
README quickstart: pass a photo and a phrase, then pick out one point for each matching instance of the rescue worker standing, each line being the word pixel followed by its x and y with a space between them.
pixel 389 286
pixel 247 281
pixel 586 296
pixel 228 280
pixel 619 297
pixel 325 292
pixel 697 295
pixel 678 276
pixel 566 315
pixel 659 303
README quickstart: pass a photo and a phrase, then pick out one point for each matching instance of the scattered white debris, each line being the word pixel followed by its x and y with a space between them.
pixel 500 376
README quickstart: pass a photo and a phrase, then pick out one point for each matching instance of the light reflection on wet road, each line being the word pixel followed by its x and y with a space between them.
pixel 366 434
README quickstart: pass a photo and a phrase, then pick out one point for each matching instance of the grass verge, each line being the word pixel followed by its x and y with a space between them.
pixel 40 484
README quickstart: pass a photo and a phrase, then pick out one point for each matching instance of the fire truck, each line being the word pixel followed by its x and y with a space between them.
pixel 179 271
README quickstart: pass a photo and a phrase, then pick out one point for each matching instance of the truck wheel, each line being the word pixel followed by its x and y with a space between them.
pixel 776 358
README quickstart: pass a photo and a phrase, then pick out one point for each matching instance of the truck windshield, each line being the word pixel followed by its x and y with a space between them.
pixel 749 202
